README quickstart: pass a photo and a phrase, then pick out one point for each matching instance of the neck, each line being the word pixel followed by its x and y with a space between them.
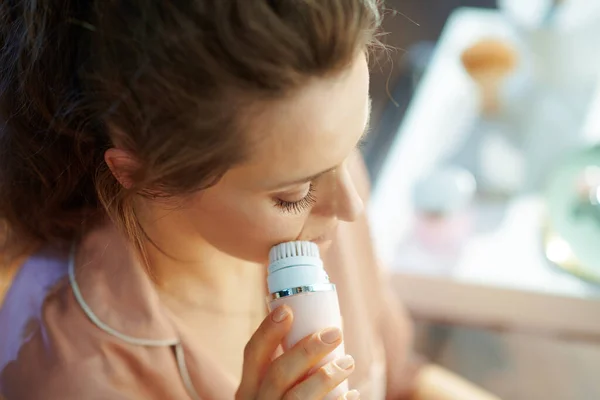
pixel 191 274
pixel 188 277
pixel 204 279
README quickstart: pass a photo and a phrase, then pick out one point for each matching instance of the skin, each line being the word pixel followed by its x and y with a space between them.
pixel 307 139
pixel 207 246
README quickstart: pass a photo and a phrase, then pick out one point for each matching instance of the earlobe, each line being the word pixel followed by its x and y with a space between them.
pixel 122 164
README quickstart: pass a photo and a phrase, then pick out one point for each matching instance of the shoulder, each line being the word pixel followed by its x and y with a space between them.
pixel 37 278
pixel 62 355
pixel 48 348
pixel 33 377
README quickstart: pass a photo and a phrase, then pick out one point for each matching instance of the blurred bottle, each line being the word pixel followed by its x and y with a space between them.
pixel 443 221
pixel 559 39
pixel 492 151
pixel 441 200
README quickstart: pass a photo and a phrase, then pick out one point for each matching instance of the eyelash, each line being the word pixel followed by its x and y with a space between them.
pixel 296 207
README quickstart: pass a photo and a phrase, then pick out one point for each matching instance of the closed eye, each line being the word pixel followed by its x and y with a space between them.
pixel 299 206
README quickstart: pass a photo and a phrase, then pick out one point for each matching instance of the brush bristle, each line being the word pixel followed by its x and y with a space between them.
pixel 293 249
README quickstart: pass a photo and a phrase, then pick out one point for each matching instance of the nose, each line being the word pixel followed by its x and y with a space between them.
pixel 349 204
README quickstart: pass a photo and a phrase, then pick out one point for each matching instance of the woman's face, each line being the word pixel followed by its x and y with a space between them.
pixel 295 184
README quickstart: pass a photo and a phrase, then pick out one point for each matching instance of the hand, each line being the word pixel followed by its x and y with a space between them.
pixel 286 376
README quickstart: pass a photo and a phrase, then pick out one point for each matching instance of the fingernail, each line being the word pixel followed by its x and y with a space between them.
pixel 352 395
pixel 330 335
pixel 345 362
pixel 280 314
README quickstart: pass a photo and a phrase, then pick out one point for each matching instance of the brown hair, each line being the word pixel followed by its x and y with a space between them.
pixel 167 80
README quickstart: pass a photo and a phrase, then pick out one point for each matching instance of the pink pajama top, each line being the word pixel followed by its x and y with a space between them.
pixel 71 333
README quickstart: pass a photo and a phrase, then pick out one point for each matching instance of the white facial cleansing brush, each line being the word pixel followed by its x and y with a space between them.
pixel 297 278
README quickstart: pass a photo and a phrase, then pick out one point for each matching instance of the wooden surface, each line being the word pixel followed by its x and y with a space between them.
pixel 513 365
pixel 443 300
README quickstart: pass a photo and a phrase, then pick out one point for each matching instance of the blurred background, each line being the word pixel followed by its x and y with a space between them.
pixel 486 200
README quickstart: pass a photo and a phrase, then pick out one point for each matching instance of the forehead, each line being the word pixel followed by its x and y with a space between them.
pixel 312 131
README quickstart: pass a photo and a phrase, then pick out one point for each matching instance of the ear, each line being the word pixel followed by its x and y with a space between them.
pixel 122 164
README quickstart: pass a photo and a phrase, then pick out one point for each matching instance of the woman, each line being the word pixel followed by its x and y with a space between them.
pixel 152 153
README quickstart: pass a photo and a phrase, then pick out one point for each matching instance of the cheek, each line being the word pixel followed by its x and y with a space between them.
pixel 245 227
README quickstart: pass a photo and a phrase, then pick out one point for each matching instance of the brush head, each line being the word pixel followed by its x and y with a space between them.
pixel 295 264
pixel 293 249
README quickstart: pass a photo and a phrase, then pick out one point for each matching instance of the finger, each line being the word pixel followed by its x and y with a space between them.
pixel 260 348
pixel 324 380
pixel 296 363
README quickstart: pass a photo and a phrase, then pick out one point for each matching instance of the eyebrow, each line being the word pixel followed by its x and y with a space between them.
pixel 317 175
